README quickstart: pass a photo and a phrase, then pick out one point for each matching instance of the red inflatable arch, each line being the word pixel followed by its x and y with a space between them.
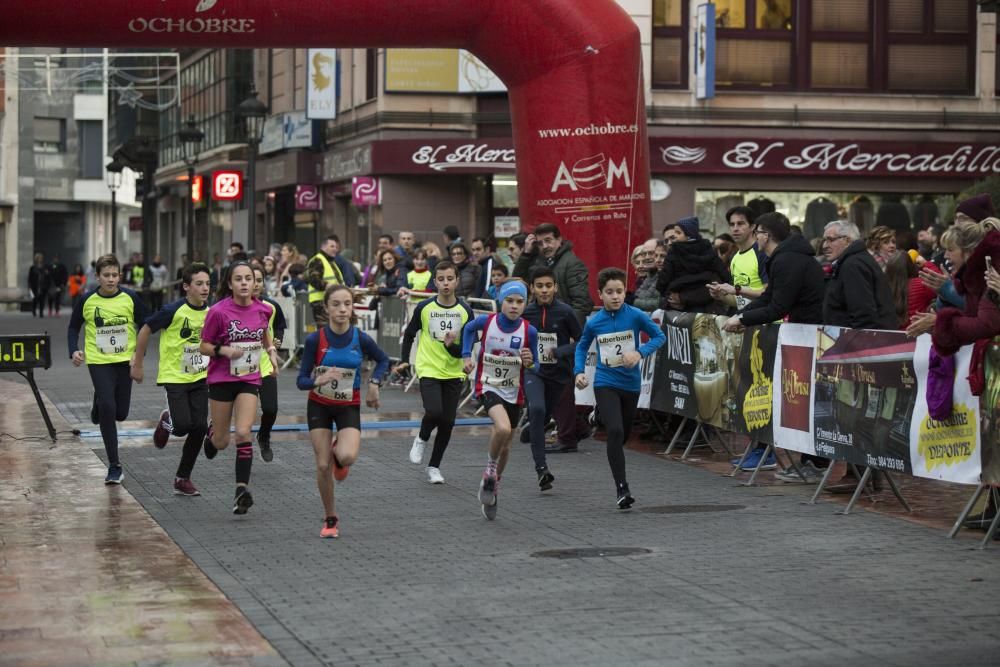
pixel 573 69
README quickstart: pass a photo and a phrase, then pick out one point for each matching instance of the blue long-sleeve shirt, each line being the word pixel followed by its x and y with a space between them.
pixel 506 325
pixel 627 318
pixel 369 349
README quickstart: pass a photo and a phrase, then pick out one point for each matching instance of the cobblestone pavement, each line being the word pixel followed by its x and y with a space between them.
pixel 728 576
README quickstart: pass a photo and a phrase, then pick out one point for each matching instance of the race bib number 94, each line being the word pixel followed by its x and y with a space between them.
pixel 443 323
pixel 547 343
pixel 613 347
pixel 112 339
pixel 337 390
pixel 247 363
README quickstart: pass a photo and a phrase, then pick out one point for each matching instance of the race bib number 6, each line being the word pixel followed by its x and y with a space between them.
pixel 613 347
pixel 337 390
pixel 247 363
pixel 112 339
pixel 443 323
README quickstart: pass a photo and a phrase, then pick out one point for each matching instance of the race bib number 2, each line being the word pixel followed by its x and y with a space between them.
pixel 613 347
pixel 337 390
pixel 247 363
pixel 443 323
pixel 112 339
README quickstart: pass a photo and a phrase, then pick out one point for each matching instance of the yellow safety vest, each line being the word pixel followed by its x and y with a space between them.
pixel 331 274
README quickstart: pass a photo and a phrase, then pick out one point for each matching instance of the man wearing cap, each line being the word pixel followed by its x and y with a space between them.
pixel 690 266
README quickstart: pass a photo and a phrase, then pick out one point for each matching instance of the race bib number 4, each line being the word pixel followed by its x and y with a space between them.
pixel 193 361
pixel 613 347
pixel 337 390
pixel 247 363
pixel 112 339
pixel 501 372
pixel 443 323
pixel 547 343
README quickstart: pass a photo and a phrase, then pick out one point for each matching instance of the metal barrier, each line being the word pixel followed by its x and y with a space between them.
pixel 392 313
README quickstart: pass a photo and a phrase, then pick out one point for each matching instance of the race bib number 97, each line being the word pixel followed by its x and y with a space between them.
pixel 613 347
pixel 501 372
pixel 247 363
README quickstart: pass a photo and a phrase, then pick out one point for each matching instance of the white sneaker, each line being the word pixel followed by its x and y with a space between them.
pixel 417 450
pixel 434 475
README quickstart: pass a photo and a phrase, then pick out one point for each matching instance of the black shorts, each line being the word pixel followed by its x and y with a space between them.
pixel 489 399
pixel 319 415
pixel 228 391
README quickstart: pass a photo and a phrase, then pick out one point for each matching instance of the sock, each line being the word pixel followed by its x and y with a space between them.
pixel 491 466
pixel 244 461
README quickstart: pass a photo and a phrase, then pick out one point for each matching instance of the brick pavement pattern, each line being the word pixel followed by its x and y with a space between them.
pixel 419 577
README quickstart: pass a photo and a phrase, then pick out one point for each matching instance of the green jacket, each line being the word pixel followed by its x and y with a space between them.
pixel 571 277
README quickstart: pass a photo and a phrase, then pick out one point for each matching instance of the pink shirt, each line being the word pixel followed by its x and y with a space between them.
pixel 229 323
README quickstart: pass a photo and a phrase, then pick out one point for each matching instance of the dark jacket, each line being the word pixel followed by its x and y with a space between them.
pixel 468 280
pixel 486 265
pixel 858 294
pixel 558 318
pixel 387 284
pixel 980 319
pixel 39 280
pixel 795 288
pixel 571 277
pixel 689 267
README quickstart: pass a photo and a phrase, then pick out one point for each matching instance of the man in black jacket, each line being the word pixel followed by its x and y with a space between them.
pixel 691 264
pixel 858 294
pixel 796 280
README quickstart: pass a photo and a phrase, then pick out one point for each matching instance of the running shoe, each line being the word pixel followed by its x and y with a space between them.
pixel 488 490
pixel 754 457
pixel 807 473
pixel 417 450
pixel 434 475
pixel 264 442
pixel 340 472
pixel 625 499
pixel 243 500
pixel 331 527
pixel 163 428
pixel 184 487
pixel 545 479
pixel 490 511
pixel 210 450
pixel 115 475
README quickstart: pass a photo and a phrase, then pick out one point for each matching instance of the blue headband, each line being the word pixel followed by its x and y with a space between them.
pixel 511 288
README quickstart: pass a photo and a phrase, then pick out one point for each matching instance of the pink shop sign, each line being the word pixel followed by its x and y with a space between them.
pixel 366 191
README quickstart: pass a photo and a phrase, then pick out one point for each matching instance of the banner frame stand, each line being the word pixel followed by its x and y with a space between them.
pixel 751 445
pixel 753 476
pixel 822 483
pixel 991 531
pixel 865 477
pixel 965 512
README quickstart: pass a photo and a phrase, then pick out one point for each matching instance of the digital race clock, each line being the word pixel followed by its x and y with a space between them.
pixel 21 352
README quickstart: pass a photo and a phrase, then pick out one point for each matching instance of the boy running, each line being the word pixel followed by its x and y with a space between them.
pixel 109 317
pixel 268 382
pixel 558 328
pixel 509 346
pixel 617 381
pixel 182 371
pixel 439 321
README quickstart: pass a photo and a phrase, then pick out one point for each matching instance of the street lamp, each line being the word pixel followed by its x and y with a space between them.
pixel 113 177
pixel 252 112
pixel 190 137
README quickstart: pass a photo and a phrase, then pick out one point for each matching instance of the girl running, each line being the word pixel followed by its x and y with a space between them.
pixel 509 346
pixel 331 373
pixel 235 336
pixel 617 382
pixel 268 382
pixel 109 316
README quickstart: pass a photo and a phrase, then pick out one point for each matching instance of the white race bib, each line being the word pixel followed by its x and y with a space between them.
pixel 247 363
pixel 502 372
pixel 337 390
pixel 613 347
pixel 742 302
pixel 112 339
pixel 445 322
pixel 193 361
pixel 547 343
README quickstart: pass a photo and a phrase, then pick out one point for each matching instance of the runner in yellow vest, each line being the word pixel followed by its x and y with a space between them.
pixel 747 265
pixel 321 272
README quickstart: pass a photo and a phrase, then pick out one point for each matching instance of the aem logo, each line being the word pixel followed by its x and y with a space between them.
pixel 227 185
pixel 590 173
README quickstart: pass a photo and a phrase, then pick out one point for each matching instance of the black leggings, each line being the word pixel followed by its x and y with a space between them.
pixel 188 405
pixel 38 303
pixel 441 399
pixel 617 409
pixel 113 396
pixel 543 395
pixel 268 405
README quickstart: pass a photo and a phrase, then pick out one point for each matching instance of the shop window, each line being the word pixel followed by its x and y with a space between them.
pixel 843 16
pixel 371 73
pixel 757 53
pixel 929 46
pixel 50 135
pixel 730 14
pixel 774 14
pixel 670 43
pixel 935 67
pixel 839 65
pixel 906 16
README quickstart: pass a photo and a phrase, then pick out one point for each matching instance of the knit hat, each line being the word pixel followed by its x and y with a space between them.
pixel 978 208
pixel 690 227
pixel 513 287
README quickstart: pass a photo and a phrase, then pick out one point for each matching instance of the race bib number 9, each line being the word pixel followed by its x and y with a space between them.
pixel 501 372
pixel 547 343
pixel 193 361
pixel 443 323
pixel 613 347
pixel 112 339
pixel 247 363
pixel 337 390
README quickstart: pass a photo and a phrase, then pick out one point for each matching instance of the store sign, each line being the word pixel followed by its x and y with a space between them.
pixel 135 223
pixel 704 48
pixel 321 93
pixel 343 164
pixel 505 226
pixel 286 130
pixel 366 191
pixel 227 185
pixel 456 156
pixel 307 198
pixel 790 157
pixel 197 189
pixel 438 71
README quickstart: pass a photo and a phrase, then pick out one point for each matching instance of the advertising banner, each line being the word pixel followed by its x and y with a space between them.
pixel 673 379
pixel 754 381
pixel 321 90
pixel 948 449
pixel 990 416
pixel 794 368
pixel 717 373
pixel 438 71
